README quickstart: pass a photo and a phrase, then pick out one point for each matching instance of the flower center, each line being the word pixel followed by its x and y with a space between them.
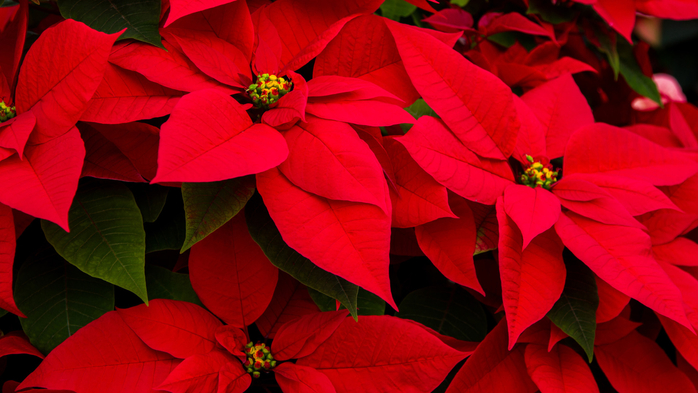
pixel 6 112
pixel 538 175
pixel 268 90
pixel 259 358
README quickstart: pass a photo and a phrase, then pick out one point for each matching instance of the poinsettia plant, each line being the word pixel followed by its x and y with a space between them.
pixel 346 195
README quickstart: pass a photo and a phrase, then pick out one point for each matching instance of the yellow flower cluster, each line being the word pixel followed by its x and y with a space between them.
pixel 258 358
pixel 268 90
pixel 538 175
pixel 6 112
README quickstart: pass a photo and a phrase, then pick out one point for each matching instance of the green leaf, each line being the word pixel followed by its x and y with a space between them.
pixel 264 232
pixel 610 48
pixel 207 206
pixel 140 18
pixel 461 3
pixel 165 284
pixel 575 312
pixel 106 238
pixel 450 311
pixel 368 303
pixel 169 230
pixel 396 9
pixel 150 198
pixel 550 12
pixel 633 75
pixel 58 299
pixel 418 109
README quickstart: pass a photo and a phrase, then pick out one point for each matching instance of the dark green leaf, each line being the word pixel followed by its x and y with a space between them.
pixel 368 303
pixel 550 12
pixel 610 48
pixel 58 299
pixel 106 238
pixel 418 109
pixel 632 73
pixel 396 9
pixel 208 206
pixel 169 230
pixel 575 312
pixel 265 233
pixel 140 18
pixel 450 311
pixel 164 284
pixel 150 199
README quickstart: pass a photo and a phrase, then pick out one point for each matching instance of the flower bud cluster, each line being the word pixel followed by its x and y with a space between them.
pixel 259 358
pixel 6 112
pixel 536 174
pixel 268 90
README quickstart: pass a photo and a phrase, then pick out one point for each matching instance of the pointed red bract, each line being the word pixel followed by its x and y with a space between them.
pixel 450 243
pixel 293 378
pixel 619 14
pixel 137 141
pixel 301 337
pixel 231 274
pixel 43 184
pixel 328 159
pixel 348 239
pixel 180 8
pixel 12 43
pixel 15 133
pixel 16 343
pixel 104 160
pixel 560 370
pixel 534 210
pixel 363 112
pixel 411 361
pixel 636 364
pixel 621 256
pixel 7 258
pixel 639 159
pixel 125 96
pixel 210 137
pixel 611 301
pixel 561 109
pixel 475 104
pixel 670 9
pixel 494 23
pixel 179 328
pixel 290 301
pixel 680 252
pixel 531 139
pixel 532 279
pixel 638 197
pixel 450 163
pixel 493 368
pixel 78 57
pixel 199 373
pixel 105 356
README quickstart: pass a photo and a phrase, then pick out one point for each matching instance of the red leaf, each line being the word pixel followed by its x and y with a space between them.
pixel 43 184
pixel 180 8
pixel 638 197
pixel 532 279
pixel 613 330
pixel 619 14
pixel 487 227
pixel 231 274
pixel 349 239
pixel 591 201
pixel 450 163
pixel 301 337
pixel 328 159
pixel 640 159
pixel 233 379
pixel 668 9
pixel 214 56
pixel 418 198
pixel 199 373
pixel 494 23
pixel 169 68
pixel 423 4
pixel 680 251
pixel 621 256
pixel 407 358
pixel 78 57
pixel 10 386
pixel 104 160
pixel 556 335
pixel 687 284
pixel 179 328
pixel 561 370
pixel 290 301
pixel 232 339
pixel 210 137
pixel 451 20
pixel 365 112
pixel 16 343
pixel 293 378
pixel 125 96
pixel 307 26
pixel 561 109
pixel 367 34
pixel 450 243
pixel 534 210
pixel 15 132
pixel 334 87
pixel 105 356
pixel 636 364
pixel 611 301
pixel 137 141
pixel 531 139
pixel 7 257
pixel 291 107
pixel 478 108
pixel 12 43
pixel 492 368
